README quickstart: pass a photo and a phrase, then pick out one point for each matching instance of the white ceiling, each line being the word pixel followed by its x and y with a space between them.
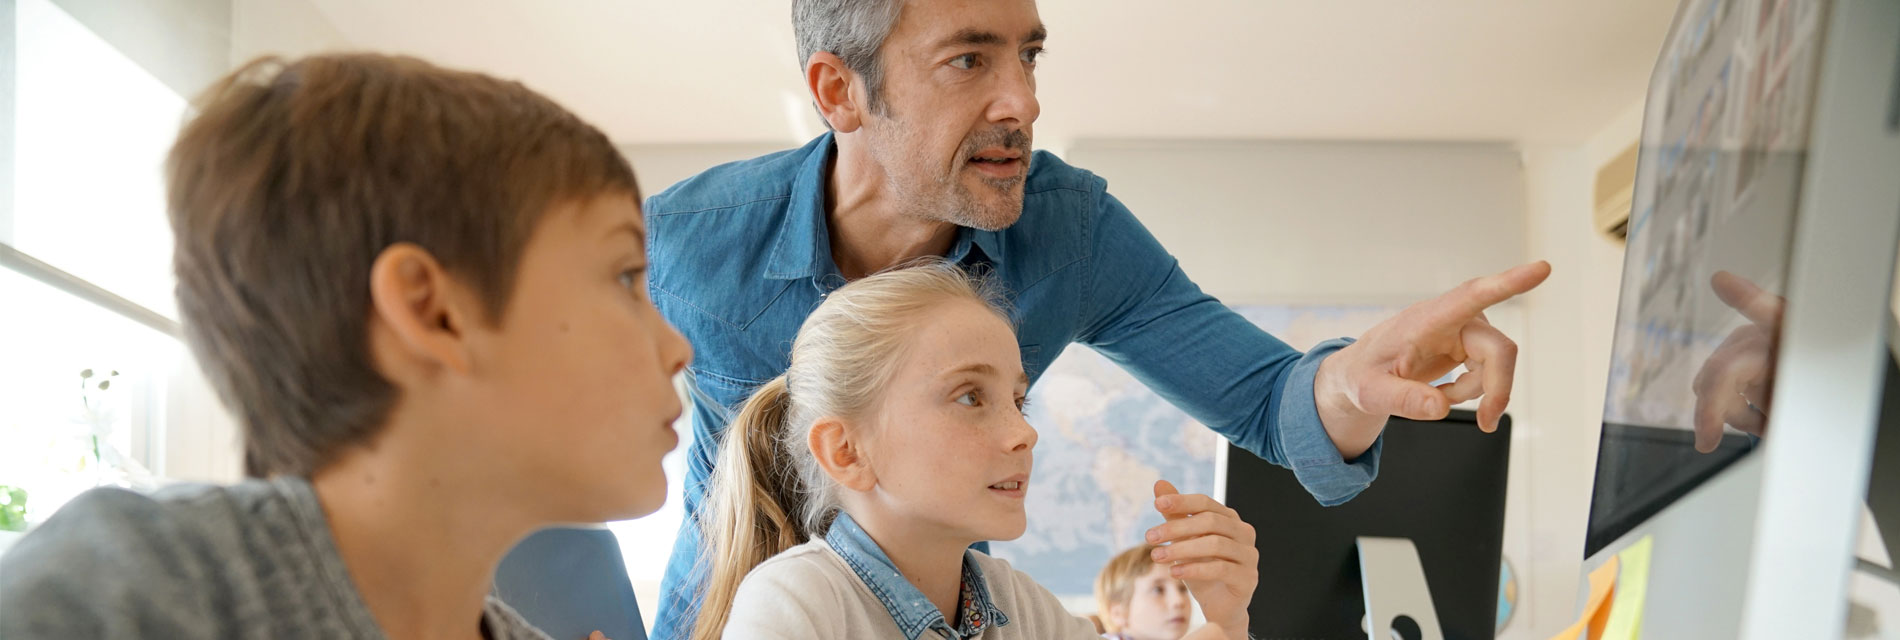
pixel 724 70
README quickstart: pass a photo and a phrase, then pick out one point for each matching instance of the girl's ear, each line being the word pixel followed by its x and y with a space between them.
pixel 841 456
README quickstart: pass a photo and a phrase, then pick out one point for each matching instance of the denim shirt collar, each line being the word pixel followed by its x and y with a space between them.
pixel 802 248
pixel 912 611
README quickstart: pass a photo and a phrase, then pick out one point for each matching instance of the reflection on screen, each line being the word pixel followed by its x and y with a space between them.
pixel 1724 138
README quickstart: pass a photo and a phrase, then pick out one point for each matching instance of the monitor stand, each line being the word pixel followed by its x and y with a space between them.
pixel 1394 584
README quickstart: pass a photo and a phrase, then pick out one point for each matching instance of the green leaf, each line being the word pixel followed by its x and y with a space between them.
pixel 85 374
pixel 105 385
pixel 12 508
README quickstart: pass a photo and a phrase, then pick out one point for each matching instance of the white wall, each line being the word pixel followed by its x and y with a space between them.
pixel 658 166
pixel 281 27
pixel 1564 366
pixel 1328 222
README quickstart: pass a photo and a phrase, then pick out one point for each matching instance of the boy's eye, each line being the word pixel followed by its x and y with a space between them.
pixel 965 61
pixel 969 399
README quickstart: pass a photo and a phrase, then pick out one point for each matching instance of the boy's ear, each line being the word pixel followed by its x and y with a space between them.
pixel 842 457
pixel 1117 614
pixel 419 316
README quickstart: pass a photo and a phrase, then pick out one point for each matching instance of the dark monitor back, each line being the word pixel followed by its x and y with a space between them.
pixel 1883 481
pixel 1441 484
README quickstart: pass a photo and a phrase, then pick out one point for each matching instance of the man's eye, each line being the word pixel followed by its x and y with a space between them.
pixel 1031 54
pixel 965 61
pixel 630 279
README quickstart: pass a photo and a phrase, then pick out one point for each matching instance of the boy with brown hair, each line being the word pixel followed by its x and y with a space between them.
pixel 1137 599
pixel 422 292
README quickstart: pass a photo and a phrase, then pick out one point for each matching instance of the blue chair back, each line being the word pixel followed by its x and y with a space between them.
pixel 570 582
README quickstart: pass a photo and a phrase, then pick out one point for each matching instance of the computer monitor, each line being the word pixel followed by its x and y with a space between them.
pixel 1717 187
pixel 1751 351
pixel 1441 484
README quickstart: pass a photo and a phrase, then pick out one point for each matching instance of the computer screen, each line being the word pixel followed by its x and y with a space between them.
pixel 1711 224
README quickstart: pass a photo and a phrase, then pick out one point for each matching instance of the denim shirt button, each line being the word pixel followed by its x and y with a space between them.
pixel 829 282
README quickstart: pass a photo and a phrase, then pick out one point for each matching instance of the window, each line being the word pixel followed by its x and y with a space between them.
pixel 61 434
pixel 91 130
pixel 90 362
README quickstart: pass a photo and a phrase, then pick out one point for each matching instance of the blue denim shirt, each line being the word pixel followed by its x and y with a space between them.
pixel 740 255
pixel 912 611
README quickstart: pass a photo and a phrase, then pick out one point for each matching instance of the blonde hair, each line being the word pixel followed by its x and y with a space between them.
pixel 1116 584
pixel 768 492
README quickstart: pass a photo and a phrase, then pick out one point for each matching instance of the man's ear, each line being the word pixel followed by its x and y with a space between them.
pixel 419 316
pixel 836 91
pixel 841 456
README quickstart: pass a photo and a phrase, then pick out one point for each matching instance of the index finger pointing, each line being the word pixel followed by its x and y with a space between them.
pixel 1470 299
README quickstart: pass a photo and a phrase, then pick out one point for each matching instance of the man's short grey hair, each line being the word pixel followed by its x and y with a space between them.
pixel 853 30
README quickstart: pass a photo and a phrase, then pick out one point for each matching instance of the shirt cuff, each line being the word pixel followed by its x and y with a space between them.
pixel 1309 451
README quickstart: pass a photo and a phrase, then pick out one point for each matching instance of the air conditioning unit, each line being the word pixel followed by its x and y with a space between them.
pixel 1616 187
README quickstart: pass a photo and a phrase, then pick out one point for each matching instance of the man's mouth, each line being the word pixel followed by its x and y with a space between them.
pixel 998 163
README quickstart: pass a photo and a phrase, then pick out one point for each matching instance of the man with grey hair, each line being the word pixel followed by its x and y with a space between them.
pixel 931 106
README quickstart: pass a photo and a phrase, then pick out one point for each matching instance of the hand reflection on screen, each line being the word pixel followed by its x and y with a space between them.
pixel 1736 385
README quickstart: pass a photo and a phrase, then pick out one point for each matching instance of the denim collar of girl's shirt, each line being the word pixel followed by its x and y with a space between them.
pixel 912 611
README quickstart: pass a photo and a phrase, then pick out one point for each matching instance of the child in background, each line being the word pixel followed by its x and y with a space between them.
pixel 849 490
pixel 422 292
pixel 1136 598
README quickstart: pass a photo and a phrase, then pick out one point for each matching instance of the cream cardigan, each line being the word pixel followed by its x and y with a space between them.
pixel 809 593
